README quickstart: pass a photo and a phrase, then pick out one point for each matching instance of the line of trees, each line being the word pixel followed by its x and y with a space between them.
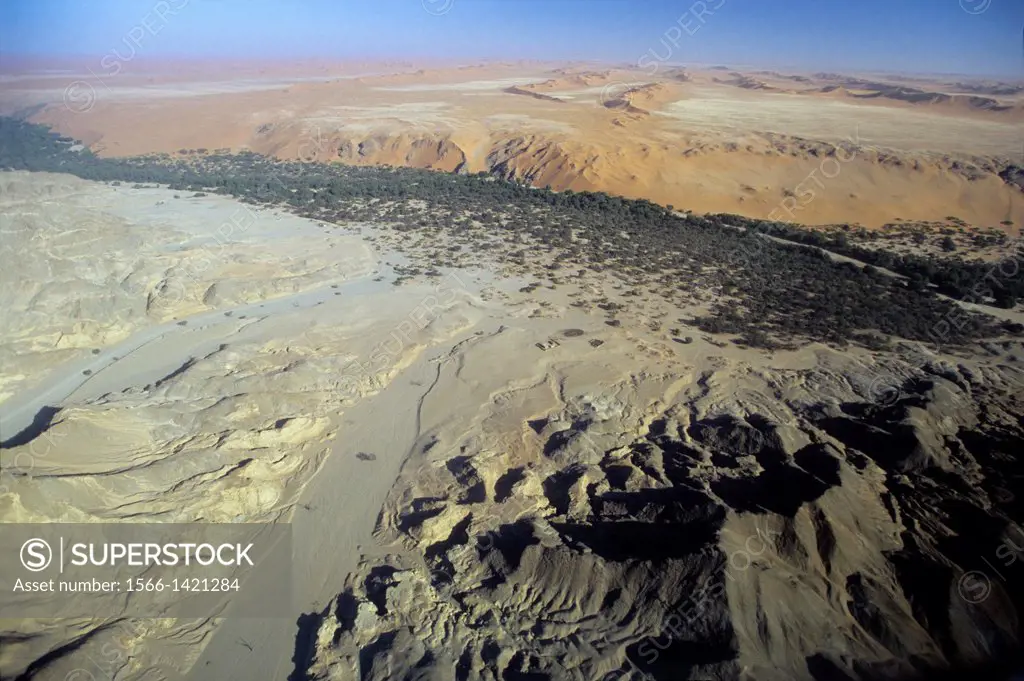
pixel 1001 281
pixel 767 294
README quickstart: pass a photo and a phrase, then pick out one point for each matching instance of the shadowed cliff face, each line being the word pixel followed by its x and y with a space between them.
pixel 849 538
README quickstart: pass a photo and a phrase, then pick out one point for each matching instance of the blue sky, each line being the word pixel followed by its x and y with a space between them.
pixel 896 35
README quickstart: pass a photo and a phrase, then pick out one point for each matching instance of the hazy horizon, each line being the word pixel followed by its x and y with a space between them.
pixel 953 37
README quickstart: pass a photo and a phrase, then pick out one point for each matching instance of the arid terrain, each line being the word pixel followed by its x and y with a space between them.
pixel 498 465
pixel 709 140
pixel 638 427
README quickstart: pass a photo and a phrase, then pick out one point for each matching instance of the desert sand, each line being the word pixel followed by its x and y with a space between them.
pixel 755 143
pixel 483 470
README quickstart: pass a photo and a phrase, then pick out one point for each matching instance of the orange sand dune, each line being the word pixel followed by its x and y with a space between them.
pixel 653 95
pixel 676 137
pixel 571 81
pixel 1008 109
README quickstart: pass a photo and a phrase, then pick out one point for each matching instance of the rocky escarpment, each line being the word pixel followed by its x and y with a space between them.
pixel 808 524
